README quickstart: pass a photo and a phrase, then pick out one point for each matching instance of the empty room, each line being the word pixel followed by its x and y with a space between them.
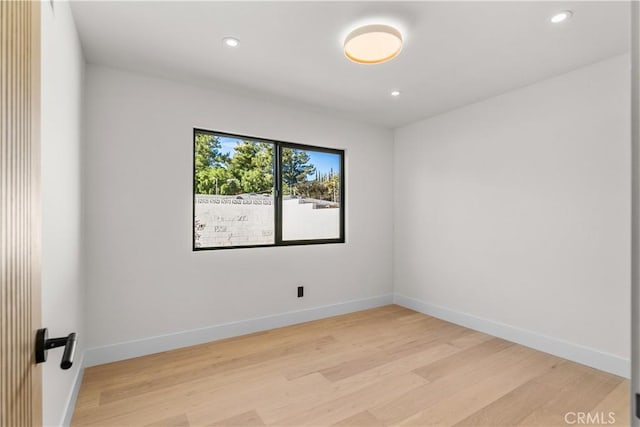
pixel 315 213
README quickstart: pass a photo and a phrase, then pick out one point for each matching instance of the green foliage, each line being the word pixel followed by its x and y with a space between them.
pixel 231 187
pixel 295 168
pixel 324 188
pixel 313 189
pixel 255 181
pixel 250 170
pixel 333 187
pixel 209 163
pixel 252 166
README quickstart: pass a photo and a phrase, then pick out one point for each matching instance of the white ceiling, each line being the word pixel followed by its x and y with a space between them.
pixel 455 53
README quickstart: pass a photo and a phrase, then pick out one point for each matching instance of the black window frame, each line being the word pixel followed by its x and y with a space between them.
pixel 277 154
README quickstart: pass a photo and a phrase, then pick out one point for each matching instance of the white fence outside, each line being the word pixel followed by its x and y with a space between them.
pixel 249 220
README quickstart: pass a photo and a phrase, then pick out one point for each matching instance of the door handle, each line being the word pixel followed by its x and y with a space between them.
pixel 44 343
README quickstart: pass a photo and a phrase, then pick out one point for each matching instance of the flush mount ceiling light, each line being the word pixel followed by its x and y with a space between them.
pixel 395 93
pixel 561 16
pixel 373 44
pixel 231 41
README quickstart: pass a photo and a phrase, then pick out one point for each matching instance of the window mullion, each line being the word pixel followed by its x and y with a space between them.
pixel 278 193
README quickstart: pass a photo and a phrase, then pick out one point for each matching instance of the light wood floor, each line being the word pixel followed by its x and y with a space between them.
pixel 383 367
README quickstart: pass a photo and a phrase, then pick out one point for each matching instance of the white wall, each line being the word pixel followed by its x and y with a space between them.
pixel 62 285
pixel 516 210
pixel 143 278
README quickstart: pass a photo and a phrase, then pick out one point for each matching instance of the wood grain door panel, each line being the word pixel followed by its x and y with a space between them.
pixel 20 378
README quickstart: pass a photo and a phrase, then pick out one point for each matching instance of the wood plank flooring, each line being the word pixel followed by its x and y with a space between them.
pixel 388 366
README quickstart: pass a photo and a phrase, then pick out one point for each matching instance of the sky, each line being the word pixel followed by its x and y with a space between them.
pixel 323 162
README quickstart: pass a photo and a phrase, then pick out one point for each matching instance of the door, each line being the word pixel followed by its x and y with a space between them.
pixel 20 379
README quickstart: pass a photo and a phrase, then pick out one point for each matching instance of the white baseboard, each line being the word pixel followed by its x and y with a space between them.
pixel 577 353
pixel 73 396
pixel 145 346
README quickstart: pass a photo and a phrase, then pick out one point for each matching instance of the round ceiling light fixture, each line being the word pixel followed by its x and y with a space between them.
pixel 373 44
pixel 395 93
pixel 231 41
pixel 561 16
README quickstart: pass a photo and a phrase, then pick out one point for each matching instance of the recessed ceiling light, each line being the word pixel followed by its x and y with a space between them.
pixel 561 16
pixel 373 44
pixel 395 93
pixel 231 41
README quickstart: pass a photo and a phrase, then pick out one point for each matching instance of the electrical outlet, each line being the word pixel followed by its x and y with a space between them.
pixel 300 291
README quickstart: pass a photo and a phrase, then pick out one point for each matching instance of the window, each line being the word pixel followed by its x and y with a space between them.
pixel 251 192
